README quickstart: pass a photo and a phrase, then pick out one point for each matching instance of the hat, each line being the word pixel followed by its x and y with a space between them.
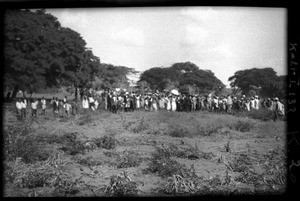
pixel 244 96
pixel 276 99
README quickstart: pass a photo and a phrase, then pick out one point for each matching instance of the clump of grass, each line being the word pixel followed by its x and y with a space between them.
pixel 162 164
pixel 40 174
pixel 262 114
pixel 20 142
pixel 208 129
pixel 126 124
pixel 72 143
pixel 141 125
pixel 242 125
pixel 85 119
pixel 121 185
pixel 106 142
pixel 227 147
pixel 65 188
pixel 129 159
pixel 241 163
pixel 179 131
pixel 89 161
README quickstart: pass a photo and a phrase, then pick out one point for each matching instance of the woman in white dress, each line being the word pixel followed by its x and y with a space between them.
pixel 161 102
pixel 173 103
pixel 154 103
pixel 167 99
pixel 138 103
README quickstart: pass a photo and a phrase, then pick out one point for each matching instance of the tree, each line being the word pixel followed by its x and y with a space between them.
pixel 187 76
pixel 263 81
pixel 39 53
pixel 112 76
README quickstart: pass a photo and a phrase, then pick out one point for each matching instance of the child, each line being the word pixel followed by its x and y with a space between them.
pixel 19 108
pixel 67 108
pixel 34 107
pixel 43 102
pixel 74 107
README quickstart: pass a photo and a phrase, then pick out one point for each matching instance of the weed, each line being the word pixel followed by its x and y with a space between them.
pixel 129 159
pixel 72 143
pixel 85 119
pixel 242 125
pixel 106 142
pixel 208 129
pixel 89 161
pixel 162 164
pixel 240 163
pixel 178 131
pixel 140 126
pixel 121 185
pixel 19 142
pixel 227 147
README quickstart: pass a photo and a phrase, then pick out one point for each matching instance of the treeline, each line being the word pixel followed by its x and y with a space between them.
pixel 39 53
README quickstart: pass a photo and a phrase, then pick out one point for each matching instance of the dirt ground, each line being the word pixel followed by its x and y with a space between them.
pixel 262 149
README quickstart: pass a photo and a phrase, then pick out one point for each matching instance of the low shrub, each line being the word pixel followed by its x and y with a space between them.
pixel 106 142
pixel 141 125
pixel 179 132
pixel 121 185
pixel 162 164
pixel 72 143
pixel 89 161
pixel 242 125
pixel 20 142
pixel 129 159
pixel 85 119
pixel 240 163
pixel 208 129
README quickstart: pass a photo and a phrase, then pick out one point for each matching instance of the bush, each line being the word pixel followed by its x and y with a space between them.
pixel 242 126
pixel 179 132
pixel 164 166
pixel 72 144
pixel 208 129
pixel 106 142
pixel 19 142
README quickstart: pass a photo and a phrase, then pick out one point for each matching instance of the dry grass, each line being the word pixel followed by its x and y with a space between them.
pixel 152 145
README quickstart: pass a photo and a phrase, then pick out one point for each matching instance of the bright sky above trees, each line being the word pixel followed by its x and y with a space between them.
pixel 222 39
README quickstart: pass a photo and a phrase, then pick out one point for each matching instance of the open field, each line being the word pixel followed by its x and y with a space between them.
pixel 142 154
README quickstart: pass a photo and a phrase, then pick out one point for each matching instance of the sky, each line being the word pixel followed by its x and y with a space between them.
pixel 222 39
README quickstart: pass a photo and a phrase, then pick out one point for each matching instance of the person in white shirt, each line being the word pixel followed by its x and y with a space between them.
pixel 34 107
pixel 85 104
pixel 68 107
pixel 43 102
pixel 96 104
pixel 19 108
pixel 256 102
pixel 92 103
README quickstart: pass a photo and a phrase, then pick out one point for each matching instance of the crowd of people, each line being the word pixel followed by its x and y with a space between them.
pixel 128 102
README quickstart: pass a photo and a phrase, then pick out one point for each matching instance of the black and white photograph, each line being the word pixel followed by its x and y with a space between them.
pixel 145 101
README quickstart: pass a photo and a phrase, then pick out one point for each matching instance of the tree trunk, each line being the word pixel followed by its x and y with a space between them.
pixel 14 93
pixel 76 93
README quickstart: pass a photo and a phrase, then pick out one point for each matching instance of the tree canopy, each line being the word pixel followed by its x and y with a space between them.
pixel 187 77
pixel 263 82
pixel 39 53
pixel 109 76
